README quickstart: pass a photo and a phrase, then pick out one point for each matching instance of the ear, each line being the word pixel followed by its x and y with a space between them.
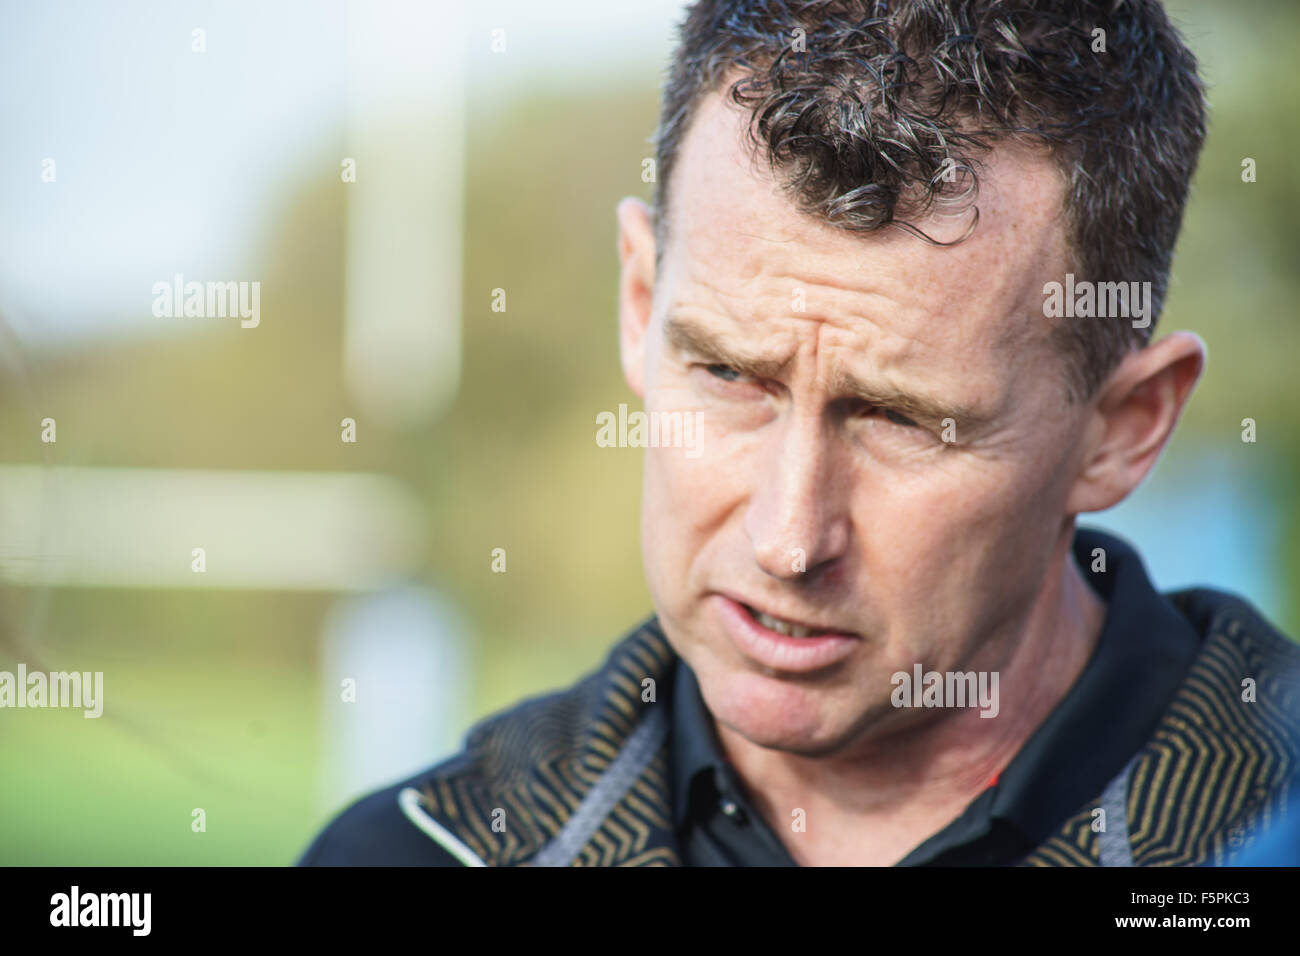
pixel 1135 412
pixel 636 253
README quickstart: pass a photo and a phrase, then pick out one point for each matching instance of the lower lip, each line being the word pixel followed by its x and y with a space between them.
pixel 777 651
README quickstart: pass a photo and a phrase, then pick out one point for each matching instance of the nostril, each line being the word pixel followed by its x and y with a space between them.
pixel 782 561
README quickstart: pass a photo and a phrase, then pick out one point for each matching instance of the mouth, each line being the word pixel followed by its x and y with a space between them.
pixel 783 643
pixel 788 627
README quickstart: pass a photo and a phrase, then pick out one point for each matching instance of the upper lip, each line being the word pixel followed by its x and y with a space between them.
pixel 794 619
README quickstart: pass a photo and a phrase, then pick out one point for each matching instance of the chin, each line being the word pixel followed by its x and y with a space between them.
pixel 775 713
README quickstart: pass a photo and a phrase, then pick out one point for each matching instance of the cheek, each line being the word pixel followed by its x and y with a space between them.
pixel 939 547
pixel 699 482
pixel 691 501
pixel 687 498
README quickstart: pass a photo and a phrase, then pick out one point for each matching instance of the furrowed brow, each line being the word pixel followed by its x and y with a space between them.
pixel 686 336
pixel 692 338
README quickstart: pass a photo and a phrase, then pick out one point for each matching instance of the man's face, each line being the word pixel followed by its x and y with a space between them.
pixel 884 448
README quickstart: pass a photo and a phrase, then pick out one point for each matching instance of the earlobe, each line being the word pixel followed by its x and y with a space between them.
pixel 636 252
pixel 1135 413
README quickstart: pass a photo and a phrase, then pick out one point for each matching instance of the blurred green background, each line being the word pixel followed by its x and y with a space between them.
pixel 215 695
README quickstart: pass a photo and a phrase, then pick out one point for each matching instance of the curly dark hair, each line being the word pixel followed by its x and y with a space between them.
pixel 874 111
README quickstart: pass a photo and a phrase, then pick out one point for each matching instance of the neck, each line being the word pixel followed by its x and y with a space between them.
pixel 876 800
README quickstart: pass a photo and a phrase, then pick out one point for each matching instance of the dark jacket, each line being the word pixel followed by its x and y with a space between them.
pixel 580 777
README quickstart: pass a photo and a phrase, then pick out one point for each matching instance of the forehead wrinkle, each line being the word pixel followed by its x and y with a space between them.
pixel 749 336
pixel 764 286
pixel 896 308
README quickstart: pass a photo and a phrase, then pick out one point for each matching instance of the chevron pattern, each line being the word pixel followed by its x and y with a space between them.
pixel 1212 778
pixel 538 761
pixel 1218 769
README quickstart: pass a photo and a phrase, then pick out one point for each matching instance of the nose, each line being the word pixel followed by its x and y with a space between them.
pixel 796 518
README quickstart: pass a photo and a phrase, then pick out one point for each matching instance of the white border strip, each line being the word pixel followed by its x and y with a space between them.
pixel 409 801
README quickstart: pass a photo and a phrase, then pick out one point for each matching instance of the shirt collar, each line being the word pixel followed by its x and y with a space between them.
pixel 695 750
pixel 1143 651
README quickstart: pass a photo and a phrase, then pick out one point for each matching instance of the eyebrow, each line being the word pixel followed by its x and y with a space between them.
pixel 687 336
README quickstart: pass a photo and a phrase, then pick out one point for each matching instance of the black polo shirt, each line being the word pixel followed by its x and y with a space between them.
pixel 1144 650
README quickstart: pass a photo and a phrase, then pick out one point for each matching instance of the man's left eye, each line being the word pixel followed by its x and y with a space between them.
pixel 898 419
pixel 724 372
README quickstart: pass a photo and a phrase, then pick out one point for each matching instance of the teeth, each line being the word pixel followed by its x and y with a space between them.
pixel 780 626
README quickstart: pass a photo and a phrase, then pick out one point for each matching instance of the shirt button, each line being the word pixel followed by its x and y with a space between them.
pixel 730 808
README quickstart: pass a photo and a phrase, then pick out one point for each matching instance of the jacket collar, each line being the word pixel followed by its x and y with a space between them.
pixel 577 777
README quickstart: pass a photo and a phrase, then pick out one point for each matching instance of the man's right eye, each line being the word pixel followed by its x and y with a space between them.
pixel 724 372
